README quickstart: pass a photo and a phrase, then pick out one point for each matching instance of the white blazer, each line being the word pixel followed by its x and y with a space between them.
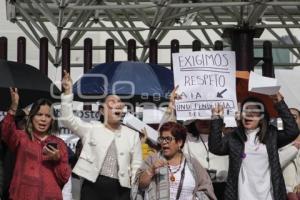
pixel 96 139
pixel 290 164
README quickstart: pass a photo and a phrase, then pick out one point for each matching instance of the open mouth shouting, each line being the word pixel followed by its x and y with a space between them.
pixel 42 127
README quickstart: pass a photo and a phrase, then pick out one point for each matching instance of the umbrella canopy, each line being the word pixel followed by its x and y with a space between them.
pixel 31 83
pixel 135 81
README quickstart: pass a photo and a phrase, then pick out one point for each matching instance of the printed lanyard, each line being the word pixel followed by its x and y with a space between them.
pixel 207 152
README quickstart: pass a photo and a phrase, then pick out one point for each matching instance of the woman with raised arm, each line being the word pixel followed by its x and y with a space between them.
pixel 111 152
pixel 254 168
pixel 41 168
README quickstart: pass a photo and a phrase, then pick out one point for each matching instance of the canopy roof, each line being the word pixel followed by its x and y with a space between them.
pixel 144 20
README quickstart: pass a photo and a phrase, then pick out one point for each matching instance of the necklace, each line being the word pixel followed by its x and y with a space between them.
pixel 207 151
pixel 172 173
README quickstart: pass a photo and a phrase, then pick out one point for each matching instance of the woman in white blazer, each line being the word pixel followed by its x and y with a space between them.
pixel 290 159
pixel 111 152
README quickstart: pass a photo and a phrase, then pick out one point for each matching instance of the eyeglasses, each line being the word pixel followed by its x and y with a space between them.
pixel 168 139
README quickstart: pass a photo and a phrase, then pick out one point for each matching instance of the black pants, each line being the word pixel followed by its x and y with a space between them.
pixel 219 188
pixel 104 188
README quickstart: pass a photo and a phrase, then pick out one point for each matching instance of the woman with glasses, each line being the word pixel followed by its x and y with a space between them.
pixel 196 146
pixel 254 168
pixel 170 174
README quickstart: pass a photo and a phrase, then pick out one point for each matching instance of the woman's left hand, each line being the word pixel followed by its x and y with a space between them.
pixel 173 96
pixel 276 97
pixel 51 153
pixel 67 83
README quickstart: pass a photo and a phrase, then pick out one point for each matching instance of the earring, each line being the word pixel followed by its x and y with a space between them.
pixel 179 149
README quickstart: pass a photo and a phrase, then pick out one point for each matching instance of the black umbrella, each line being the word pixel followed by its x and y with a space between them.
pixel 133 81
pixel 32 84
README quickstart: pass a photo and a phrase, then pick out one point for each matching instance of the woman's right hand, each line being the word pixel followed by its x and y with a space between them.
pixel 67 83
pixel 174 96
pixel 149 173
pixel 158 164
pixel 217 111
pixel 14 95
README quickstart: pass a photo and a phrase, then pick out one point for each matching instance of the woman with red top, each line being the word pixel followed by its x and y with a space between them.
pixel 42 167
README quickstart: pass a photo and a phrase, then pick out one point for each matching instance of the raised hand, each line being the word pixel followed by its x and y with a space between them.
pixel 174 96
pixel 276 97
pixel 14 95
pixel 67 83
pixel 217 111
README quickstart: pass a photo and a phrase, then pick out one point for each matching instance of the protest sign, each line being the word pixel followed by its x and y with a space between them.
pixel 135 123
pixel 205 79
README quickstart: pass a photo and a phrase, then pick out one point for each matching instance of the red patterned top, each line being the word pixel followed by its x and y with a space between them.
pixel 35 177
